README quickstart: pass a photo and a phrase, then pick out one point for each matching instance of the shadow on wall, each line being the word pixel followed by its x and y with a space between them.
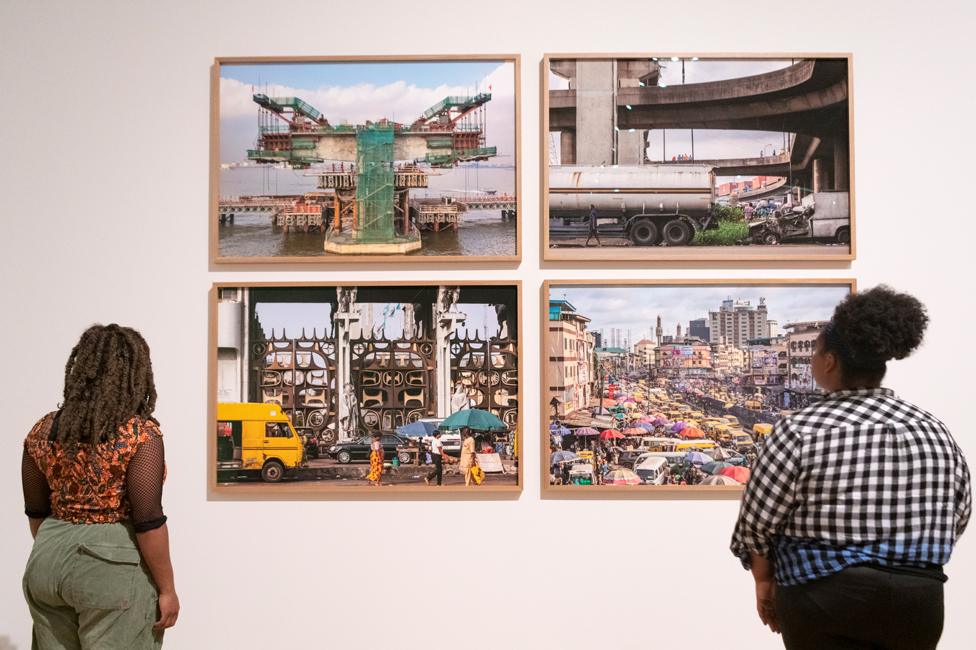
pixel 6 643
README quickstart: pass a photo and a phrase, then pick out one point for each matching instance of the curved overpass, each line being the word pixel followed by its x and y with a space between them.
pixel 808 97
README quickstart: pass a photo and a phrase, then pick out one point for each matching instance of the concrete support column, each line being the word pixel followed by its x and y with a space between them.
pixel 819 175
pixel 631 146
pixel 596 113
pixel 567 147
pixel 446 318
pixel 842 177
pixel 345 317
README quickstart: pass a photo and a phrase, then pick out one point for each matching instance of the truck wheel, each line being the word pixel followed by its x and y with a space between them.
pixel 404 457
pixel 677 233
pixel 843 235
pixel 770 238
pixel 272 471
pixel 344 457
pixel 643 233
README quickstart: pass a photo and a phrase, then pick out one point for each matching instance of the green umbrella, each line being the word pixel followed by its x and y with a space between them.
pixel 474 419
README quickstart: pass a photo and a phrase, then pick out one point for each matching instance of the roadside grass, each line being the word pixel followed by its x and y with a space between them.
pixel 728 233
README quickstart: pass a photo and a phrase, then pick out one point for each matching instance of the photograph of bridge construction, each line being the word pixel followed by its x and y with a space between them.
pixel 675 385
pixel 403 387
pixel 697 158
pixel 332 159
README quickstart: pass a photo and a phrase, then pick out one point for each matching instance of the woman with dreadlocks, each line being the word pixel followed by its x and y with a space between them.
pixel 99 574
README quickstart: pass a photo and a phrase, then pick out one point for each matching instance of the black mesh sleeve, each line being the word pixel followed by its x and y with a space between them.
pixel 37 493
pixel 144 485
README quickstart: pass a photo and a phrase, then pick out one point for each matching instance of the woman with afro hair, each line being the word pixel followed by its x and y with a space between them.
pixel 855 503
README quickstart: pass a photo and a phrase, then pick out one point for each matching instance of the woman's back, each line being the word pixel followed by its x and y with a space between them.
pixel 91 482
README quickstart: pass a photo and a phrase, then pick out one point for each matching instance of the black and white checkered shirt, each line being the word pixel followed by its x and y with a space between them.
pixel 861 477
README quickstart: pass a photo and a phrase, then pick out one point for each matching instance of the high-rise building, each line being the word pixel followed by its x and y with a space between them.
pixel 737 322
pixel 698 329
pixel 659 331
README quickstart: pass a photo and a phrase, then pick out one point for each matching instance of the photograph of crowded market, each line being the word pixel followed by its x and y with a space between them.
pixel 406 386
pixel 675 384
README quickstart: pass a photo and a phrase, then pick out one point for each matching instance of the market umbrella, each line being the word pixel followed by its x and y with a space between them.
pixel 715 466
pixel 621 476
pixel 740 474
pixel 630 405
pixel 660 420
pixel 474 419
pixel 691 432
pixel 562 456
pixel 630 400
pixel 634 431
pixel 559 430
pixel 586 431
pixel 646 419
pixel 678 426
pixel 698 458
pixel 646 426
pixel 611 434
pixel 418 429
pixel 607 403
pixel 719 479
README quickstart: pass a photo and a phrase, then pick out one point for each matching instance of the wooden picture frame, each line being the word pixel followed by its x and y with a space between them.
pixel 325 490
pixel 641 491
pixel 689 254
pixel 330 260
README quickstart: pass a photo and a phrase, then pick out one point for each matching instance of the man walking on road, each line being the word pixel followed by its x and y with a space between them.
pixel 594 232
pixel 436 451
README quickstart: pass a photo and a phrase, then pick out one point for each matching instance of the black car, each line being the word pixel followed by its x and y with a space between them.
pixel 347 452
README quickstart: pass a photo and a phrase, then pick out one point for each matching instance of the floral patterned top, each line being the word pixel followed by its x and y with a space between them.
pixel 107 482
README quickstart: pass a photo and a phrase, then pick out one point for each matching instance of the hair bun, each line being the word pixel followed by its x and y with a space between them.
pixel 881 324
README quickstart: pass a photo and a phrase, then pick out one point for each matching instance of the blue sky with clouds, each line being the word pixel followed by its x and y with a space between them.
pixel 314 75
pixel 636 308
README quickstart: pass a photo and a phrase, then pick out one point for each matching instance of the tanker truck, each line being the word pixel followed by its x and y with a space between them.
pixel 647 204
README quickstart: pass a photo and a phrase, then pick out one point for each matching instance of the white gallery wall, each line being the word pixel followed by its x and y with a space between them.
pixel 104 132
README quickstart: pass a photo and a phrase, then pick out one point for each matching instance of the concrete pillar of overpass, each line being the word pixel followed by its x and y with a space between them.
pixel 631 146
pixel 819 175
pixel 567 147
pixel 842 176
pixel 596 113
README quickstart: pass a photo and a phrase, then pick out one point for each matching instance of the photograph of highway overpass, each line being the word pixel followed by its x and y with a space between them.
pixel 697 158
pixel 333 159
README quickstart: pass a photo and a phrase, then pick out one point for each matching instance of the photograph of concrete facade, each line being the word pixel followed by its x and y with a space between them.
pixel 673 385
pixel 706 158
pixel 311 379
pixel 332 159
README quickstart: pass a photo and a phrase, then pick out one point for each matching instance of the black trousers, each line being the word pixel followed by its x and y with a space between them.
pixel 438 470
pixel 862 607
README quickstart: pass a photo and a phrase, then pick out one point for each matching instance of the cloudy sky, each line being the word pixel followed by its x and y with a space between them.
pixel 709 144
pixel 637 308
pixel 351 93
pixel 292 317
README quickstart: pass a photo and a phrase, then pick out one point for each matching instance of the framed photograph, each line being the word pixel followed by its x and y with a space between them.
pixel 377 389
pixel 697 158
pixel 362 159
pixel 668 388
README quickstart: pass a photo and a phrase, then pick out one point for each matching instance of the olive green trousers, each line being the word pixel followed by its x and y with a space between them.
pixel 87 588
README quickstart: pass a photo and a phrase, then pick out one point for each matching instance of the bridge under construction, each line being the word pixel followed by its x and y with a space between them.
pixel 363 202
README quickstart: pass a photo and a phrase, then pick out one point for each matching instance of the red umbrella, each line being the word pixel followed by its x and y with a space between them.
pixel 736 472
pixel 691 432
pixel 635 431
pixel 611 434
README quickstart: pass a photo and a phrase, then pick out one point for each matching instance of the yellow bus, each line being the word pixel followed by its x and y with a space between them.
pixel 257 439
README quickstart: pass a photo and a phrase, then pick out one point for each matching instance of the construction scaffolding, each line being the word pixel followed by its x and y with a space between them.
pixel 374 183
